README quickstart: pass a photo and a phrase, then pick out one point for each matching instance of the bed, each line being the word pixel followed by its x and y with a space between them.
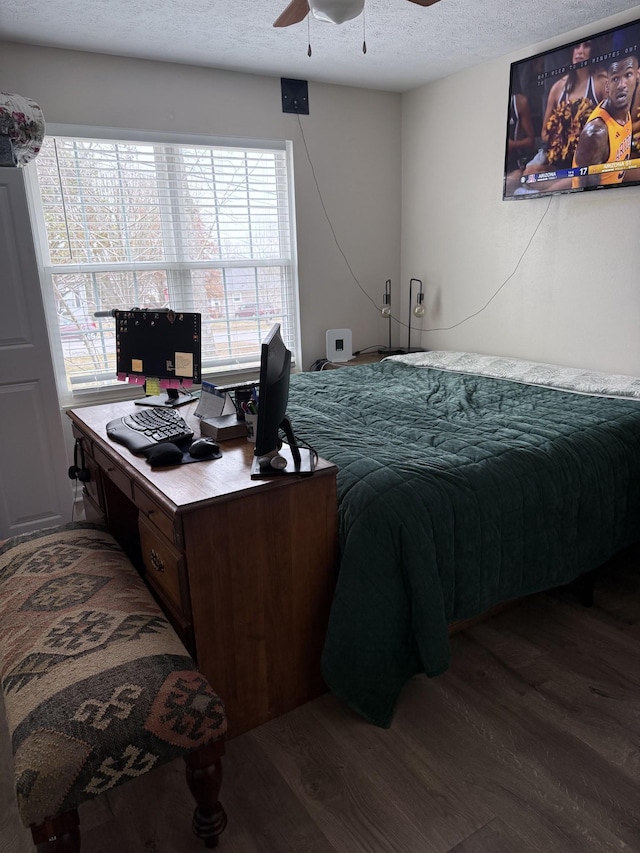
pixel 464 481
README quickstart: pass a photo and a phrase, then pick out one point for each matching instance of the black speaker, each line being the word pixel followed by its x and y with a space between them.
pixel 295 96
pixel 78 471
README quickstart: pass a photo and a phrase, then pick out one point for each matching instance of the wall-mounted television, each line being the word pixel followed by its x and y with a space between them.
pixel 573 117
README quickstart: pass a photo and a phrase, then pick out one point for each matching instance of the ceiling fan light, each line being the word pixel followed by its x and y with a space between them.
pixel 336 11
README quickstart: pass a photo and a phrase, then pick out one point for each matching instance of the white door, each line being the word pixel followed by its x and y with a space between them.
pixel 35 491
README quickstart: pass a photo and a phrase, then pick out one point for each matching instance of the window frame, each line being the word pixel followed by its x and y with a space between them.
pixel 117 390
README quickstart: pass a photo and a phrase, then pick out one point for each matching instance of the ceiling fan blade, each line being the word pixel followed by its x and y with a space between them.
pixel 295 12
pixel 424 2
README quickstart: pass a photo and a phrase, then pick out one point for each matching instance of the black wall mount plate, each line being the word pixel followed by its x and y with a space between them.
pixel 295 96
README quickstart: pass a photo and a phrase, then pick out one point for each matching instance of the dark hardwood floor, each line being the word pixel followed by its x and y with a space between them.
pixel 530 742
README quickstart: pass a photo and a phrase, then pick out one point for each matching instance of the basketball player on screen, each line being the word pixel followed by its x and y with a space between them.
pixel 606 136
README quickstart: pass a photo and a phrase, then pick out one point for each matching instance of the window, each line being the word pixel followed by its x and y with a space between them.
pixel 124 224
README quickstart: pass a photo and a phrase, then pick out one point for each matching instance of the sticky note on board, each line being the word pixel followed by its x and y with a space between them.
pixel 184 363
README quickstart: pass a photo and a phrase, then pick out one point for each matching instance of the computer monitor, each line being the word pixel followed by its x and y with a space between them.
pixel 272 457
pixel 163 345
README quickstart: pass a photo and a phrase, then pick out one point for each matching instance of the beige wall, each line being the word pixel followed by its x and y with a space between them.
pixel 575 297
pixel 353 137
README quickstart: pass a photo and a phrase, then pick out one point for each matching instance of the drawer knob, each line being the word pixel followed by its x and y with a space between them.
pixel 156 561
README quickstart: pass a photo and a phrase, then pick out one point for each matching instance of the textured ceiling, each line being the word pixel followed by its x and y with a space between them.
pixel 407 45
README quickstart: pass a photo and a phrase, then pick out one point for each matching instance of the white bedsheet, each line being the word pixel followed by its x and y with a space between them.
pixel 576 380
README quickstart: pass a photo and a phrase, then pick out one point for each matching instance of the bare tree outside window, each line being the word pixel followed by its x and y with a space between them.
pixel 194 228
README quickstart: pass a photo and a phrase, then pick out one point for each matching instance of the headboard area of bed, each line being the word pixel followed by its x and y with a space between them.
pixel 464 481
pixel 578 380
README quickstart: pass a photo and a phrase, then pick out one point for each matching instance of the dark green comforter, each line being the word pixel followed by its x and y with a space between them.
pixel 456 492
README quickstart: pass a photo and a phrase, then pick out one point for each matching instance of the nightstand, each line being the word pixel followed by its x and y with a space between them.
pixel 364 358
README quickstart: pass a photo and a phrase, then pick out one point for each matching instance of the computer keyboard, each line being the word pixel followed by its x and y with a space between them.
pixel 143 429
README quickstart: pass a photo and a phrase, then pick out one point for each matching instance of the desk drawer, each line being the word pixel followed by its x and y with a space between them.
pixel 93 486
pixel 165 567
pixel 154 514
pixel 113 472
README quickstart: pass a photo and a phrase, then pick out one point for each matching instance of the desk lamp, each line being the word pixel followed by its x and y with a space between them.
pixel 418 310
pixel 385 310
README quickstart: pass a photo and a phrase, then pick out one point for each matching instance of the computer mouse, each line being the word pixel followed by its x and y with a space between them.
pixel 163 455
pixel 202 448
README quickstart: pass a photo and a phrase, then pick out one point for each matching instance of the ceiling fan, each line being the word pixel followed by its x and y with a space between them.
pixel 333 11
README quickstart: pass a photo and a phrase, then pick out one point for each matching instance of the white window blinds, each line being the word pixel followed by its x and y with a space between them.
pixel 190 227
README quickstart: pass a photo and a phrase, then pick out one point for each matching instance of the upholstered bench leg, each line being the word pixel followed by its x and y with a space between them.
pixel 204 777
pixel 59 834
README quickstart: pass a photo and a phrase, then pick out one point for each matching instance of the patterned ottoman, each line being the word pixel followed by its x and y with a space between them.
pixel 97 686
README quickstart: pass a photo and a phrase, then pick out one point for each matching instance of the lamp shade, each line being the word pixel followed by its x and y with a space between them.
pixel 336 11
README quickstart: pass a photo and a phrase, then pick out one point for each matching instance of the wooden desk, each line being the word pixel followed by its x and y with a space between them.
pixel 244 569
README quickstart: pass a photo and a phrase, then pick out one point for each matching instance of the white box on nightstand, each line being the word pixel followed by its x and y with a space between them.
pixel 339 345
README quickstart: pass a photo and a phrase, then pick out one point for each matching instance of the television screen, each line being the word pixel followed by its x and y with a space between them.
pixel 573 118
